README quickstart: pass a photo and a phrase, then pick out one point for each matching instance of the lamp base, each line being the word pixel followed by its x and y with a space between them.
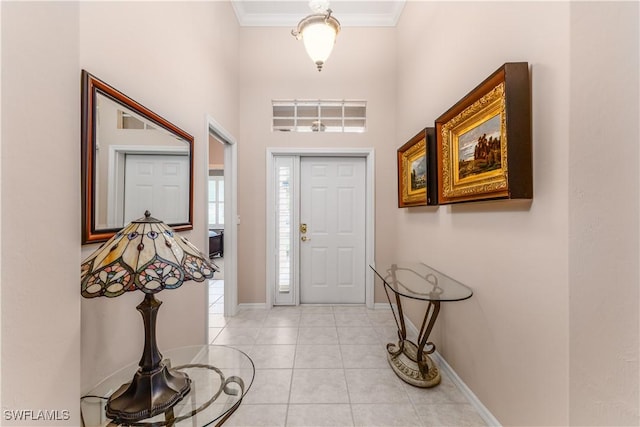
pixel 149 394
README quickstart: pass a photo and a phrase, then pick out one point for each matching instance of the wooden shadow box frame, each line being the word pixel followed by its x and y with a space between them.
pixel 484 140
pixel 418 150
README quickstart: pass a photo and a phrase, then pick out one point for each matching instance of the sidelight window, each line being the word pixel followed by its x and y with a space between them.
pixel 284 230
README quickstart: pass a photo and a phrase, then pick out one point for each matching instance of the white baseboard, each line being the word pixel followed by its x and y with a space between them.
pixel 381 306
pixel 252 306
pixel 484 413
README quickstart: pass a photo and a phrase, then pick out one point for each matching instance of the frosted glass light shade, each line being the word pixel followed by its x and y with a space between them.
pixel 319 39
pixel 318 33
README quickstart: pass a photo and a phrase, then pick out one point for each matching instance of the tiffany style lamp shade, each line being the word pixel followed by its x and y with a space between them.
pixel 147 256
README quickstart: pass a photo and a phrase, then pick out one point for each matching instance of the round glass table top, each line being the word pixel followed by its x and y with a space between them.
pixel 419 281
pixel 220 378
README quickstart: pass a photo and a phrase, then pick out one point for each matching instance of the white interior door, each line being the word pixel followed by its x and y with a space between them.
pixel 332 250
pixel 159 184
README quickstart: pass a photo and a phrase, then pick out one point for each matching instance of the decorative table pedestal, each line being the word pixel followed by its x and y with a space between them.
pixel 220 378
pixel 409 360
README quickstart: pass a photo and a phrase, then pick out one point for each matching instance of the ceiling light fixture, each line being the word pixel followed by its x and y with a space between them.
pixel 318 31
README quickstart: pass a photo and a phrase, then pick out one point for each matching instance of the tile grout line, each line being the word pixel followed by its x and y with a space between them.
pixel 346 383
pixel 378 331
pixel 344 371
pixel 295 353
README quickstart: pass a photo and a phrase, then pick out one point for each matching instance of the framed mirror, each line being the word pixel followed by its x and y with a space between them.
pixel 132 160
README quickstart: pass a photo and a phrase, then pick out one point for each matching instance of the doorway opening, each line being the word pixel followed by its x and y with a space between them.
pixel 299 258
pixel 215 204
pixel 221 233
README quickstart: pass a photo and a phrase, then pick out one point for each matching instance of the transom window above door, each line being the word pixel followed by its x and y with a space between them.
pixel 319 116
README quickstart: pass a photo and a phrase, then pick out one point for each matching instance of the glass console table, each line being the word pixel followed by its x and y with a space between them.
pixel 409 360
pixel 220 378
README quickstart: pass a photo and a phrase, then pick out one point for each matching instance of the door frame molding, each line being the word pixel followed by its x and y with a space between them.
pixel 230 213
pixel 369 155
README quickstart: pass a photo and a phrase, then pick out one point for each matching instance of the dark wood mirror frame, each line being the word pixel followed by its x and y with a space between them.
pixel 91 87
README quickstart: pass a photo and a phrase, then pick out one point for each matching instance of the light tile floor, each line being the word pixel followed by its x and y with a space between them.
pixel 326 366
pixel 216 297
pixel 216 288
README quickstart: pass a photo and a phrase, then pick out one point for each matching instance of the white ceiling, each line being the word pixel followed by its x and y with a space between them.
pixel 287 13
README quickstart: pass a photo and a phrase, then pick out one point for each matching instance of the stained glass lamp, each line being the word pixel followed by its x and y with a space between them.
pixel 147 256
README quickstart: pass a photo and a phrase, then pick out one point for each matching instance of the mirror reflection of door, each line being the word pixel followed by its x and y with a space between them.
pixel 121 135
pixel 157 183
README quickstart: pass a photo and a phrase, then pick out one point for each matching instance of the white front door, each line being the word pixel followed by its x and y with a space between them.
pixel 332 250
pixel 159 184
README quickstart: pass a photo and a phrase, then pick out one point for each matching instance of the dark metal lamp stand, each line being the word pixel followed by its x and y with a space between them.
pixel 155 387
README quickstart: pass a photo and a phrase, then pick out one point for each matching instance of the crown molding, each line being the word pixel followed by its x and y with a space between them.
pixel 251 13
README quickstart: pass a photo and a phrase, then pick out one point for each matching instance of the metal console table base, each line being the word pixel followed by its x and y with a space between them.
pixel 410 360
pixel 404 364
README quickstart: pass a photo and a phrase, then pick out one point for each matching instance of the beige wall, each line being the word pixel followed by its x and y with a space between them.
pixel 513 342
pixel 1 118
pixel 551 334
pixel 216 153
pixel 274 65
pixel 603 214
pixel 53 344
pixel 183 75
pixel 40 209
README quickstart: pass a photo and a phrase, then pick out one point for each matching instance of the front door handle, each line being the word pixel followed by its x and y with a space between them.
pixel 305 238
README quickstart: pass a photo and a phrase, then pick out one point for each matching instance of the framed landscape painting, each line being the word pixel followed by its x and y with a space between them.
pixel 484 140
pixel 416 170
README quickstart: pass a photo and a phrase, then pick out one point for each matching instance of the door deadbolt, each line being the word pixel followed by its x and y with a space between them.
pixel 303 228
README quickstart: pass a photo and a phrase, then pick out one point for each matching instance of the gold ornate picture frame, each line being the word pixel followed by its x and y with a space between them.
pixel 484 140
pixel 416 170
